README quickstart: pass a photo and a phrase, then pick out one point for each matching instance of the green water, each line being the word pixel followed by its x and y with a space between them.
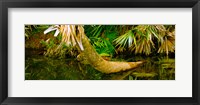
pixel 39 67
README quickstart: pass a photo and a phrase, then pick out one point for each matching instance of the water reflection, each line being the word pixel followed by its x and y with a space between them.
pixel 38 67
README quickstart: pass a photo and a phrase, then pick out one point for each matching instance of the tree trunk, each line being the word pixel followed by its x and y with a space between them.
pixel 90 55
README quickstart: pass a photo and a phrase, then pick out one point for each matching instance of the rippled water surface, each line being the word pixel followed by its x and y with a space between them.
pixel 39 67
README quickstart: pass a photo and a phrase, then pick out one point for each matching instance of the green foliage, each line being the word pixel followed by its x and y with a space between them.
pixel 101 37
pixel 130 77
pixel 140 39
pixel 100 30
pixel 125 41
pixel 147 38
pixel 103 46
pixel 167 43
pixel 30 30
pixel 109 39
pixel 55 50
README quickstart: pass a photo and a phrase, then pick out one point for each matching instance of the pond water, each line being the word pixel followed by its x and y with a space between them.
pixel 39 67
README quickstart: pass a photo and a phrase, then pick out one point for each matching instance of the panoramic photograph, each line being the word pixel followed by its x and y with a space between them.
pixel 99 52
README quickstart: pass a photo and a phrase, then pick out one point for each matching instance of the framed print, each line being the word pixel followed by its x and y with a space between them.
pixel 130 52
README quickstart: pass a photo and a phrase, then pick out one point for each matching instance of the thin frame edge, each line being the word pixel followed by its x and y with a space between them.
pixel 3 55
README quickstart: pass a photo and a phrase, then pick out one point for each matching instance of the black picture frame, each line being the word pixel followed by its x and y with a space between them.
pixel 5 4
